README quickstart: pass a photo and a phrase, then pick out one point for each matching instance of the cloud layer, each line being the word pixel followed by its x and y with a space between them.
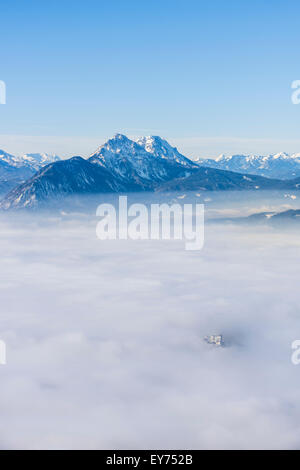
pixel 104 339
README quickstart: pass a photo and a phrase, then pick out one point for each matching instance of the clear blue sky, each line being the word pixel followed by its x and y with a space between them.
pixel 211 76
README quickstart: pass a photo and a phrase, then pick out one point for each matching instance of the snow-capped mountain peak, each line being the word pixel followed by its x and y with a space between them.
pixel 38 160
pixel 35 161
pixel 147 160
pixel 160 148
pixel 8 158
pixel 118 144
pixel 155 145
pixel 285 156
pixel 221 157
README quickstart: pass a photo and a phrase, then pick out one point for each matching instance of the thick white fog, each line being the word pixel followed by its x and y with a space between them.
pixel 105 338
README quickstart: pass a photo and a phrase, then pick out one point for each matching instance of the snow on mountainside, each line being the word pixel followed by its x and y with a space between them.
pixel 144 164
pixel 14 170
pixel 162 149
pixel 147 164
pixel 119 165
pixel 8 158
pixel 12 173
pixel 281 165
pixel 11 176
pixel 38 160
pixel 34 161
pixel 62 178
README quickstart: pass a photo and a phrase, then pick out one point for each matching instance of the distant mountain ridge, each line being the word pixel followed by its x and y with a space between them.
pixel 281 165
pixel 35 161
pixel 212 179
pixel 268 217
pixel 15 170
pixel 11 176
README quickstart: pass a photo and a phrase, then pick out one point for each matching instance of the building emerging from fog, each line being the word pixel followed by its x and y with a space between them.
pixel 217 340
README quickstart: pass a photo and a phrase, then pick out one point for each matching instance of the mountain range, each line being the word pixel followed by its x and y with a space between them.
pixel 269 218
pixel 145 164
pixel 120 165
pixel 281 165
pixel 15 170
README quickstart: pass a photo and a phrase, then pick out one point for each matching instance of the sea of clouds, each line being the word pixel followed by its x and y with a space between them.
pixel 105 338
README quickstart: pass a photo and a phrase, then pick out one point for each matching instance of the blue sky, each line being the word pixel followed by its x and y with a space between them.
pixel 211 76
